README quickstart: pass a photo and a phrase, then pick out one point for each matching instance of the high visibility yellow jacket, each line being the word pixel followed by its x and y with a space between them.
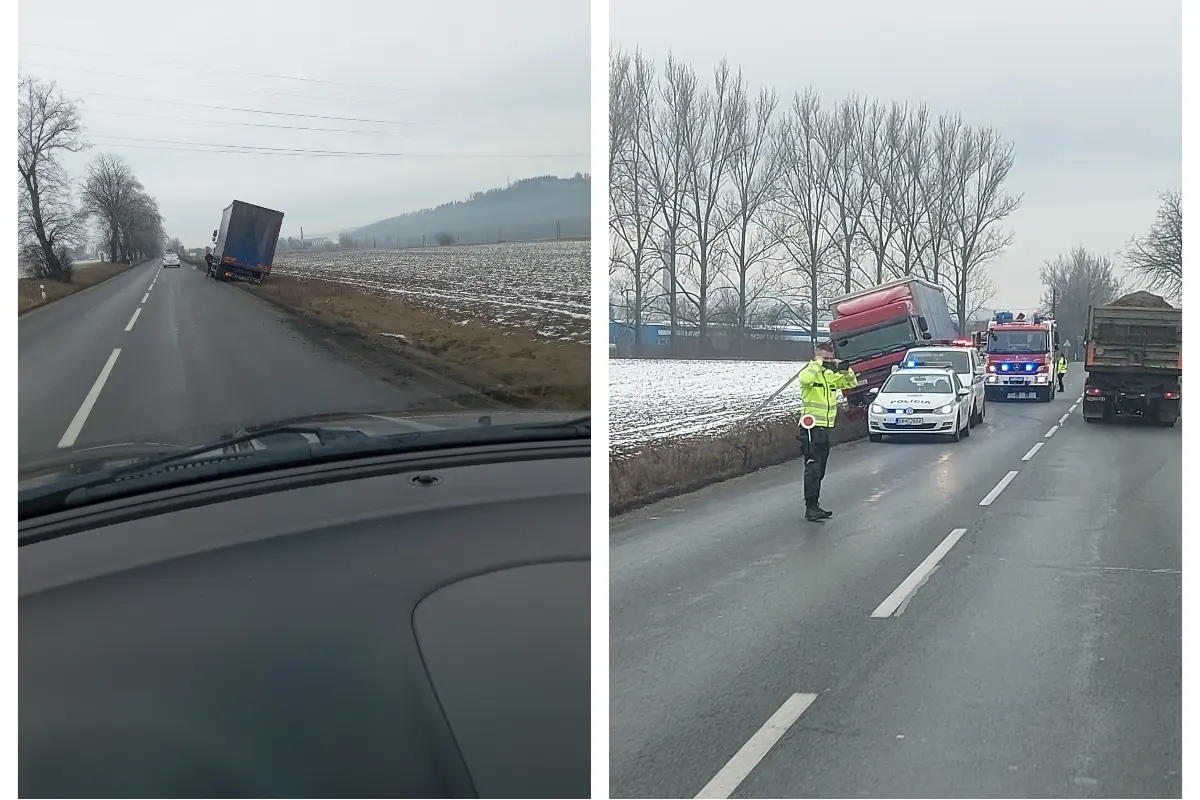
pixel 818 391
pixel 1062 365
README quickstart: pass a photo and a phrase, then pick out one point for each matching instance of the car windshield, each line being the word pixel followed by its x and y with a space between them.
pixel 910 383
pixel 960 360
pixel 1015 342
pixel 889 338
pixel 387 235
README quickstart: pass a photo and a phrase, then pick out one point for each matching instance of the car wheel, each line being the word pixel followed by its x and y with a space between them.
pixel 875 437
pixel 966 428
pixel 957 435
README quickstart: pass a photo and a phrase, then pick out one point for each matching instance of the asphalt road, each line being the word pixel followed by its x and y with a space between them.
pixel 167 355
pixel 1030 647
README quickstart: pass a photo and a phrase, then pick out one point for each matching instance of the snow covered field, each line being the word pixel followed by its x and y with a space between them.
pixel 540 286
pixel 653 400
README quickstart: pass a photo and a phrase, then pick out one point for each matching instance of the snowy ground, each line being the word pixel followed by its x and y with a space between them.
pixel 654 400
pixel 540 286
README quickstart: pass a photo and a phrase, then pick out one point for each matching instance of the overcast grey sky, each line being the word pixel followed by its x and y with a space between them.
pixel 1089 92
pixel 458 77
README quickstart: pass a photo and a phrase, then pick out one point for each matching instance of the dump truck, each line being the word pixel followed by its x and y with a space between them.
pixel 244 245
pixel 1134 360
pixel 874 328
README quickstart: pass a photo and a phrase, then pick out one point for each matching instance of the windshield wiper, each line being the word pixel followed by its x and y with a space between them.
pixel 333 444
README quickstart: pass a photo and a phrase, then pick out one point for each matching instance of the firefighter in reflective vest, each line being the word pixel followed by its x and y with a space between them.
pixel 1062 370
pixel 820 380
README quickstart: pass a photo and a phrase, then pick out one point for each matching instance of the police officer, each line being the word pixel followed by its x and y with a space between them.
pixel 820 380
pixel 1062 370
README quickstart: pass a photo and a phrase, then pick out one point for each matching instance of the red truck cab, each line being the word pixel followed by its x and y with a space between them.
pixel 1021 357
pixel 874 328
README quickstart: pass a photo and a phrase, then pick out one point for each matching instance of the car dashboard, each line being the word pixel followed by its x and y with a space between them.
pixel 411 627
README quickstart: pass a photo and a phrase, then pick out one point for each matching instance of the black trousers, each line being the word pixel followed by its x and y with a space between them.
pixel 1061 376
pixel 815 446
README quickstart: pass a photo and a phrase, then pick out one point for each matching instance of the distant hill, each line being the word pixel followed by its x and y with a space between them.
pixel 533 208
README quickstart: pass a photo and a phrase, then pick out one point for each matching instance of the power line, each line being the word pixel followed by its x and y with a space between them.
pixel 251 110
pixel 215 69
pixel 192 121
pixel 209 86
pixel 262 150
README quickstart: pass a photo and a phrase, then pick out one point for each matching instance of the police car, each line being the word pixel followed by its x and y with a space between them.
pixel 920 400
pixel 968 364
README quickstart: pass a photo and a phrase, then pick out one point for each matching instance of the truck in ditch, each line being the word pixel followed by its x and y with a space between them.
pixel 873 329
pixel 244 245
pixel 1134 360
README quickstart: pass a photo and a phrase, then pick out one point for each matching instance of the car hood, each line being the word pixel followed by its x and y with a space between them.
pixel 913 400
pixel 51 467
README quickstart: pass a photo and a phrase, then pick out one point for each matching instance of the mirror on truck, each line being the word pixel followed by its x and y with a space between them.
pixel 215 235
pixel 927 335
pixel 923 325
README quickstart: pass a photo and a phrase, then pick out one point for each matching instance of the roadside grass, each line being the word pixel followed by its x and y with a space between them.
pixel 510 367
pixel 666 469
pixel 29 293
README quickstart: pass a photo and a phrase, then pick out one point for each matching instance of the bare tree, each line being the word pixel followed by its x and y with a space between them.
pixel 621 119
pixel 669 173
pixel 937 181
pixel 631 188
pixel 47 126
pixel 708 143
pixel 980 205
pixel 909 208
pixel 1157 258
pixel 108 192
pixel 140 224
pixel 754 179
pixel 879 158
pixel 1073 283
pixel 847 187
pixel 802 212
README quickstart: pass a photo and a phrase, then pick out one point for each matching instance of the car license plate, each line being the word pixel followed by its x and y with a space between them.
pixel 1022 395
pixel 909 420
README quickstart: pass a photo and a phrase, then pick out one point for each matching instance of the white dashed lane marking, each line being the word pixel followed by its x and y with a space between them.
pixel 994 493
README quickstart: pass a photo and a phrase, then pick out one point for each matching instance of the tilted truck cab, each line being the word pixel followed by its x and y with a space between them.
pixel 874 328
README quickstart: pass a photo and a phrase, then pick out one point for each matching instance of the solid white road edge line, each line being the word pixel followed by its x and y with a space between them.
pixel 917 577
pixel 81 415
pixel 133 319
pixel 1032 451
pixel 756 748
pixel 1050 432
pixel 995 492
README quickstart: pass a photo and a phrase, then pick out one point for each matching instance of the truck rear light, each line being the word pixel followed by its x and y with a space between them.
pixel 1170 395
pixel 1092 391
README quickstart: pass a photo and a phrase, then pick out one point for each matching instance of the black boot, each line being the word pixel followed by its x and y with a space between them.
pixel 815 514
pixel 824 514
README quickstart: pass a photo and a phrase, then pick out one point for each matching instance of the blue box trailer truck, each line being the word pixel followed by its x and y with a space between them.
pixel 245 243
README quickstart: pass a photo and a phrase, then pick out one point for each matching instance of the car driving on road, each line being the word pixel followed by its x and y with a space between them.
pixel 920 400
pixel 171 260
pixel 966 362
